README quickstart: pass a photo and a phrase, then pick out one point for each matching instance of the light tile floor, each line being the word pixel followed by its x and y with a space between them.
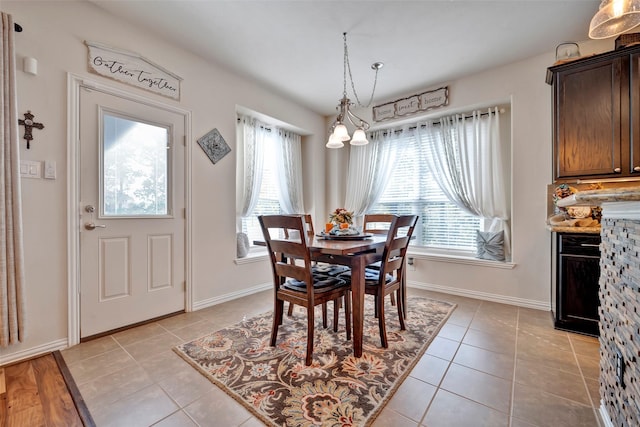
pixel 491 365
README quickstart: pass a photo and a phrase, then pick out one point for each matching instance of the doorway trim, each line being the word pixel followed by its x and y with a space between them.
pixel 74 85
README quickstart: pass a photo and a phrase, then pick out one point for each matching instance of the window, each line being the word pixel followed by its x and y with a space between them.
pixel 413 190
pixel 459 160
pixel 269 174
pixel 267 203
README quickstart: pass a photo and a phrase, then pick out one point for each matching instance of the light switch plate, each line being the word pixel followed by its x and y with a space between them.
pixel 50 169
pixel 30 169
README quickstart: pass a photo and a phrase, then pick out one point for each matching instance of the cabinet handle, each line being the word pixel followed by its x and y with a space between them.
pixel 617 170
pixel 636 169
pixel 590 245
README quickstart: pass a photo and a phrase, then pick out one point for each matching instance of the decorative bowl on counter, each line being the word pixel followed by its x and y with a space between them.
pixel 579 211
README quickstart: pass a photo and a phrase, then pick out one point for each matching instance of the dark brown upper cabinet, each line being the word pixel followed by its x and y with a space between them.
pixel 596 116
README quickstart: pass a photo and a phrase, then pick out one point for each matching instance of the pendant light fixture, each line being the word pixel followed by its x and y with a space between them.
pixel 614 17
pixel 339 132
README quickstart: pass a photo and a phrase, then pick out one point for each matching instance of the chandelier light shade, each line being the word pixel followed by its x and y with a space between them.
pixel 339 132
pixel 334 142
pixel 614 18
pixel 359 137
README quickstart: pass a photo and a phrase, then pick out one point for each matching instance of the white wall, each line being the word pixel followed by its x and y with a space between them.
pixel 54 33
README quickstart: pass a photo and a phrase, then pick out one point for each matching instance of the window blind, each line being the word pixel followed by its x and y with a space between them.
pixel 413 190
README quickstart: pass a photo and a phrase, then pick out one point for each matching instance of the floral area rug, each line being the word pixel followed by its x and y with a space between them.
pixel 338 389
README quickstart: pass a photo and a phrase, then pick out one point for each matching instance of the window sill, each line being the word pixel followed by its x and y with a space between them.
pixel 459 259
pixel 254 255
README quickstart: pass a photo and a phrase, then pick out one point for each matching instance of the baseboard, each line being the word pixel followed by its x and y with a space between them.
pixel 604 415
pixel 231 296
pixel 34 352
pixel 520 302
pixel 485 296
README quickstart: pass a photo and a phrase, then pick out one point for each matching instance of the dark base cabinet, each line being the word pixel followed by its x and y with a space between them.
pixel 577 282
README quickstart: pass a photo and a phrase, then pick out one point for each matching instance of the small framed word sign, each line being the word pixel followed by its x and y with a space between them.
pixel 132 69
pixel 412 105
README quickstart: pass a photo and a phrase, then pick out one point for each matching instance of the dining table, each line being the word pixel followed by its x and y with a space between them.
pixel 355 252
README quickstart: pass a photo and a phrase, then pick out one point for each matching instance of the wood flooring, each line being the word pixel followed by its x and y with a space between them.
pixel 34 393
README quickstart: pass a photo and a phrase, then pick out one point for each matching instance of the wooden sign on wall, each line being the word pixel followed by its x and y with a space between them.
pixel 411 105
pixel 133 69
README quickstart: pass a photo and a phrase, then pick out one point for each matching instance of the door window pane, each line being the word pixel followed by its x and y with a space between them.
pixel 135 168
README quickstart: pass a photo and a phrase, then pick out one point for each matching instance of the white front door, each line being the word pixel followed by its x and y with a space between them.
pixel 132 201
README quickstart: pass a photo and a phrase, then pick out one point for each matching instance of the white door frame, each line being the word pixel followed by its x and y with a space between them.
pixel 74 84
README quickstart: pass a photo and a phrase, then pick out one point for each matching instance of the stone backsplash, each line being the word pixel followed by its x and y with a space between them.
pixel 620 320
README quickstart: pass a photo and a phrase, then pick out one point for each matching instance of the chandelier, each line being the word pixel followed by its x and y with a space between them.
pixel 614 17
pixel 339 133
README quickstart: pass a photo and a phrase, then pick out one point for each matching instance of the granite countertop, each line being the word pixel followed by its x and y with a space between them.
pixel 565 229
pixel 597 197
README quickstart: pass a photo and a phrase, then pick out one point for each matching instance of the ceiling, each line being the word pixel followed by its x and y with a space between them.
pixel 296 47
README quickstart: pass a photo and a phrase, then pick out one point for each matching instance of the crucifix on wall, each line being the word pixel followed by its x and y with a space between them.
pixel 29 124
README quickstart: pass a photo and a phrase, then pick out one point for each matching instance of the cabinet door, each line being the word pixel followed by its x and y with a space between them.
pixel 634 146
pixel 578 293
pixel 588 137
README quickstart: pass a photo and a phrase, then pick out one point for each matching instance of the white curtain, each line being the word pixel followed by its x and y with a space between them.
pixel 289 164
pixel 251 136
pixel 370 168
pixel 467 162
pixel 12 280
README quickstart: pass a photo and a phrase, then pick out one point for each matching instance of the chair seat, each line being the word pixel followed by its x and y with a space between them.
pixel 332 270
pixel 371 277
pixel 375 265
pixel 321 283
pixel 378 266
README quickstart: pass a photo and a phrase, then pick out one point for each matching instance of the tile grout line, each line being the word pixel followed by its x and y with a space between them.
pixel 584 381
pixel 96 356
pixel 438 388
pixel 180 407
pixel 157 383
pixel 154 381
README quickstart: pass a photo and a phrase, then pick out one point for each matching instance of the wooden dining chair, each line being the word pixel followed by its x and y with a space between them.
pixel 295 282
pixel 320 268
pixel 378 224
pixel 389 278
pixel 310 233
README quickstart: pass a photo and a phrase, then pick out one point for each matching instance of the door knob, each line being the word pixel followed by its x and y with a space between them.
pixel 636 169
pixel 617 170
pixel 92 226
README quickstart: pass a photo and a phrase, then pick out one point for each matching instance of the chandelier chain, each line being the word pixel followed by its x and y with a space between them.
pixel 347 66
